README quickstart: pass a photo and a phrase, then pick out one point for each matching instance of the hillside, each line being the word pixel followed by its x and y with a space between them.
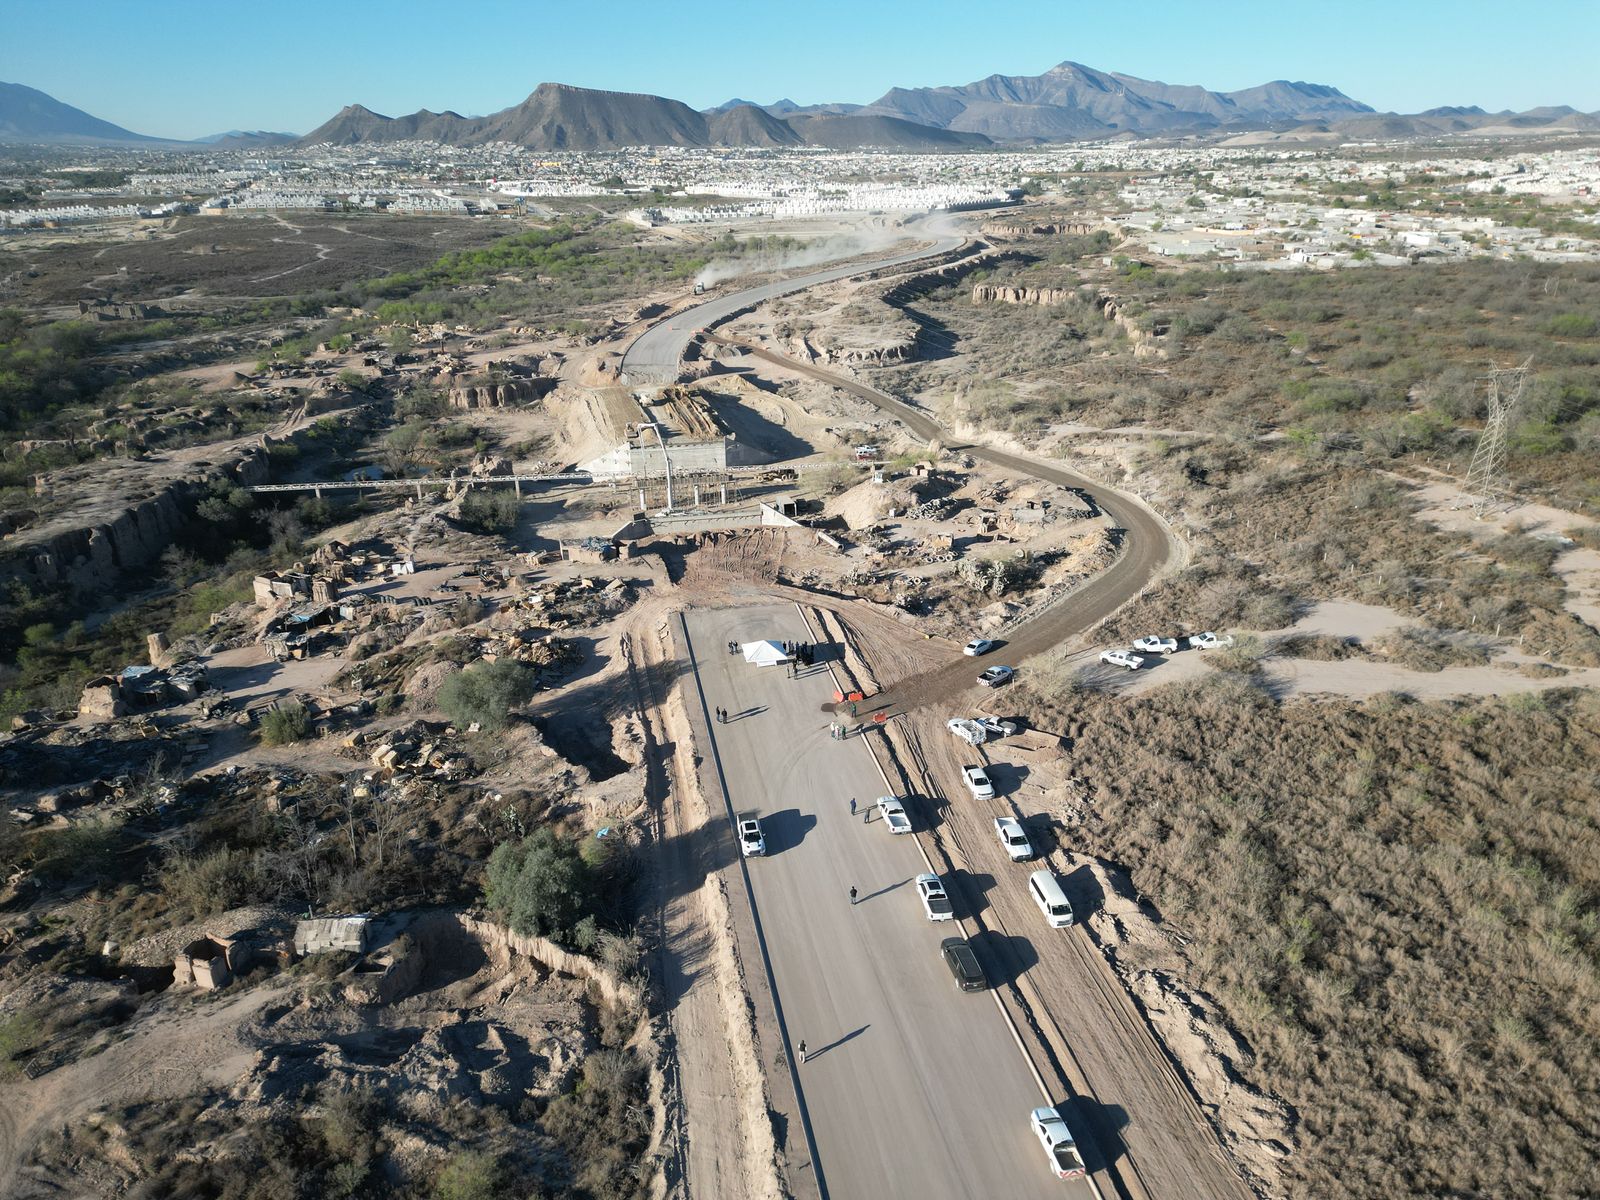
pixel 28 115
pixel 558 116
pixel 1073 101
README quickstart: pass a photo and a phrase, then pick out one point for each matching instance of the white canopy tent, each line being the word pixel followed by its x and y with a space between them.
pixel 765 654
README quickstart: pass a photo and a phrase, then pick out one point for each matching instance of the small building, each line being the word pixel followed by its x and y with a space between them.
pixel 589 550
pixel 210 962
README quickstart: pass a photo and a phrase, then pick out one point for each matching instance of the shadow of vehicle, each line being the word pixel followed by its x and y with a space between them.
pixel 1004 958
pixel 786 829
pixel 969 891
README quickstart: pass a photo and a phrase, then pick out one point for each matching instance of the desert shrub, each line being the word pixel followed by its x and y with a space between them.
pixel 198 886
pixel 20 1033
pixel 603 1124
pixel 542 885
pixel 1431 650
pixel 1587 536
pixel 470 1175
pixel 1436 863
pixel 284 724
pixel 1573 325
pixel 489 511
pixel 485 693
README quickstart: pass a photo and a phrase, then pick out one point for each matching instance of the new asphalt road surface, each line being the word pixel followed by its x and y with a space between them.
pixel 911 1087
pixel 655 355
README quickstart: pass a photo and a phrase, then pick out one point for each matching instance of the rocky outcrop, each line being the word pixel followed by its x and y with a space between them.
pixel 1021 229
pixel 504 394
pixel 1150 342
pixel 996 293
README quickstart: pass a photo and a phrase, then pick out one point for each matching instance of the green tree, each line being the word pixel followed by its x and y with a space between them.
pixel 541 885
pixel 486 693
pixel 284 724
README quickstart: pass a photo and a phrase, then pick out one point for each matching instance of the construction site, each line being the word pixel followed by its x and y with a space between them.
pixel 424 854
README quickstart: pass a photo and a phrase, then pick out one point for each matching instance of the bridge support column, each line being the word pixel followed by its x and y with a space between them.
pixel 724 493
pixel 641 499
pixel 318 491
pixel 517 485
pixel 697 495
pixel 419 491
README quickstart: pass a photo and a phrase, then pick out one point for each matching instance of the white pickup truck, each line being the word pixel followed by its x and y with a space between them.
pixel 1208 641
pixel 975 731
pixel 978 783
pixel 1151 644
pixel 894 814
pixel 1058 1144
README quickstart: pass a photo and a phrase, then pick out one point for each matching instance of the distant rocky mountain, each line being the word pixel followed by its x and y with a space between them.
pixel 28 115
pixel 246 138
pixel 1071 101
pixel 558 116
pixel 1454 119
pixel 842 131
pixel 750 125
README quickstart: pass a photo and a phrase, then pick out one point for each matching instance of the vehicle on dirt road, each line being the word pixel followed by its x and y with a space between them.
pixel 1156 645
pixel 963 964
pixel 977 646
pixel 894 814
pixel 978 783
pixel 996 677
pixel 1056 1139
pixel 1014 838
pixel 751 842
pixel 975 731
pixel 1122 658
pixel 1047 893
pixel 935 900
pixel 1208 641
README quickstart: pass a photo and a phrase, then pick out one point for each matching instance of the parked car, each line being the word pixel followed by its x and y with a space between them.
pixel 977 781
pixel 935 901
pixel 751 841
pixel 1122 658
pixel 1059 1146
pixel 996 677
pixel 977 646
pixel 1014 838
pixel 963 964
pixel 1156 645
pixel 894 814
pixel 1208 641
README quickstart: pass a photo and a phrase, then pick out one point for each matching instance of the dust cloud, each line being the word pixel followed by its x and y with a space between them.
pixel 832 248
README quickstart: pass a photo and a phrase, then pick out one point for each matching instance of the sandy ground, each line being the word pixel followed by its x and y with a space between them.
pixel 1446 506
pixel 1356 678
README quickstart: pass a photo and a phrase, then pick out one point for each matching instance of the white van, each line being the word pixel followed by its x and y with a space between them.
pixel 1046 891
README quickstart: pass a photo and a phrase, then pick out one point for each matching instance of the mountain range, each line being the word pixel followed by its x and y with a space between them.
pixel 1069 102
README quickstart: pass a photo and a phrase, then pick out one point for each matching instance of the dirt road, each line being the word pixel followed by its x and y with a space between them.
pixel 1147 549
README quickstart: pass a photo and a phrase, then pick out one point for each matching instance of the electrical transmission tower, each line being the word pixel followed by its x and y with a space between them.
pixel 1486 479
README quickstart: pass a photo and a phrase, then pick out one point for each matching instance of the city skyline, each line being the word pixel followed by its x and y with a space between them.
pixel 224 70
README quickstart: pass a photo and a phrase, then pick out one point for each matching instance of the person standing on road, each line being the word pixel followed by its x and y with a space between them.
pixel 852 895
pixel 802 1050
pixel 852 806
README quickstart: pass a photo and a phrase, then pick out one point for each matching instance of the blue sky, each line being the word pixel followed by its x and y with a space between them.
pixel 176 68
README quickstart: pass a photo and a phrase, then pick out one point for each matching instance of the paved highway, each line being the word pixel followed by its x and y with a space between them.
pixel 913 1088
pixel 655 355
